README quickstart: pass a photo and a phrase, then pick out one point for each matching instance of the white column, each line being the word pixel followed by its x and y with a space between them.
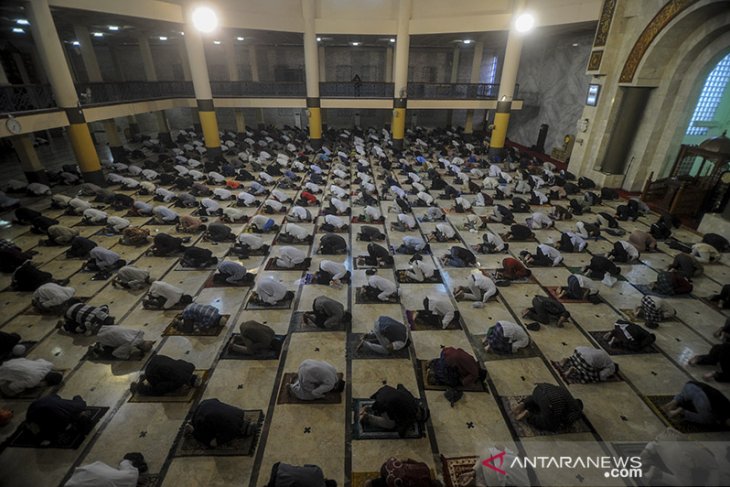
pixel 254 63
pixel 229 47
pixel 184 62
pixel 388 64
pixel 88 54
pixel 322 65
pixel 402 45
pixel 311 59
pixel 147 60
pixel 476 65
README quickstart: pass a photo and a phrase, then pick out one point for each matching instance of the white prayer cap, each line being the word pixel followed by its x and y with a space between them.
pixel 249 140
pixel 291 147
pixel 264 155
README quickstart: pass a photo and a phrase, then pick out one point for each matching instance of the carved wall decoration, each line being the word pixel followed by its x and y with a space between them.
pixel 594 62
pixel 604 23
pixel 667 13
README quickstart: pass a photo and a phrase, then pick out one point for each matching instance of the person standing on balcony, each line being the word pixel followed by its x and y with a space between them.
pixel 357 84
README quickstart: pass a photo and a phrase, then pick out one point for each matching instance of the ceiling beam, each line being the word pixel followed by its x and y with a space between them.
pixel 147 9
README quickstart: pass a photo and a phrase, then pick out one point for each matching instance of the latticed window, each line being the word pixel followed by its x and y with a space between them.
pixel 710 97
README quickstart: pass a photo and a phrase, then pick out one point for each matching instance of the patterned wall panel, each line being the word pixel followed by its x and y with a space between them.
pixel 604 24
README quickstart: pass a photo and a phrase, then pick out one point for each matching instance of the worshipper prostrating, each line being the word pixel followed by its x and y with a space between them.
pixel 380 288
pixel 580 288
pixel 327 313
pixel 51 417
pixel 332 273
pixel 405 473
pixel 455 368
pixel 315 378
pixel 394 409
pixel 388 336
pixel 119 342
pixel 599 266
pixel 270 291
pixel 506 337
pixel 197 257
pixel 82 319
pixel 549 408
pixel 700 403
pixel 588 364
pixel 686 265
pixel 670 283
pixel 215 423
pixel 130 277
pixel 546 310
pixel 438 311
pixel 459 257
pixel 229 272
pixel 164 375
pixel 20 374
pixel 286 475
pixel 254 338
pixel 162 295
pixel 479 288
pixel 544 256
pixel 629 336
pixel 197 317
pixel 52 299
pixel 654 310
pixel 99 473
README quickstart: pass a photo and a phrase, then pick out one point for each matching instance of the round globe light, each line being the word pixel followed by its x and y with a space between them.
pixel 204 19
pixel 525 22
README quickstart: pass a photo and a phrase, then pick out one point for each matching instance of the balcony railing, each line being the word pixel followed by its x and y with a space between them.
pixel 123 91
pixel 366 89
pixel 24 98
pixel 255 89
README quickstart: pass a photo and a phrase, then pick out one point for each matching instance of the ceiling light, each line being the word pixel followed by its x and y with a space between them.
pixel 525 22
pixel 216 42
pixel 182 33
pixel 75 43
pixel 204 19
pixel 22 22
pixel 239 38
pixel 356 43
pixel 466 41
pixel 575 44
pixel 18 30
pixel 113 27
pixel 319 39
pixel 163 38
pixel 98 34
pixel 392 40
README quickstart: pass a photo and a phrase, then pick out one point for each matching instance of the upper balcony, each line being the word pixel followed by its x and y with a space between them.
pixel 18 99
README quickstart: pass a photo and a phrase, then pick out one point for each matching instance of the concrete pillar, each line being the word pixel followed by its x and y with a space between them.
pixel 88 55
pixel 29 161
pixel 253 60
pixel 51 53
pixel 163 128
pixel 133 125
pixel 201 85
pixel 400 75
pixel 388 64
pixel 3 76
pixel 240 122
pixel 115 142
pixel 453 79
pixel 185 63
pixel 476 65
pixel 322 65
pixel 148 61
pixel 507 85
pixel 311 71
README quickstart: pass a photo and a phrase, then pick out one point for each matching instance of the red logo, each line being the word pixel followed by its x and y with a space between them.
pixel 489 462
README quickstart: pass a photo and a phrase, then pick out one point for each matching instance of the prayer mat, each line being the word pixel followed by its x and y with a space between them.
pixel 207 332
pixel 371 432
pixel 308 240
pixel 253 303
pixel 647 290
pixel 271 266
pixel 23 438
pixel 364 353
pixel 176 307
pixel 179 267
pixel 297 324
pixel 657 403
pixel 362 298
pixel 598 336
pixel 250 253
pixel 188 446
pixel 429 386
pixel 358 479
pixel 227 354
pixel 402 278
pixel 357 219
pixel 526 430
pixel 108 357
pixel 579 270
pixel 149 480
pixel 631 315
pixel 455 467
pixel 345 229
pixel 561 371
pixel 32 310
pixel 88 224
pixel 211 282
pixel 628 450
pixel 713 305
pixel 185 394
pixel 553 291
pixel 418 324
pixel 359 263
pixel 286 396
pixel 308 279
pixel 525 280
pixel 504 238
pixel 105 233
pixel 529 351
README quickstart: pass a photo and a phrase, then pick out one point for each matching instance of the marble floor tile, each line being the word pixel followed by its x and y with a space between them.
pixel 518 377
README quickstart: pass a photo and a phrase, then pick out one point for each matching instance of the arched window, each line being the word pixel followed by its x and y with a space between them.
pixel 710 97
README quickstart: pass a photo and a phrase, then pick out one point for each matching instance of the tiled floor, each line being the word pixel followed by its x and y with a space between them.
pixel 321 434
